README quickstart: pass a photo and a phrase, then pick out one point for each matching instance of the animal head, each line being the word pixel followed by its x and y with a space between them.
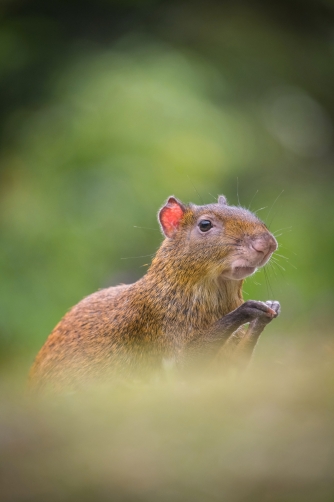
pixel 216 239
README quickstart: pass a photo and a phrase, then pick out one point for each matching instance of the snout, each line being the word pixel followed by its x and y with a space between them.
pixel 256 252
pixel 264 245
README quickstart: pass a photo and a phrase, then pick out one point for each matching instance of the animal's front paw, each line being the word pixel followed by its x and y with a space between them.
pixel 265 311
pixel 275 306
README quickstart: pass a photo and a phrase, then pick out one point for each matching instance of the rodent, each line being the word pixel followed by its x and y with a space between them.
pixel 188 307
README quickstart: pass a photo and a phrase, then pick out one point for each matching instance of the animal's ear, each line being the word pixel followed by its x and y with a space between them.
pixel 170 216
pixel 222 200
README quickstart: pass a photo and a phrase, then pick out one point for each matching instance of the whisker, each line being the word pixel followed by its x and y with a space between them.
pixel 215 198
pixel 284 247
pixel 238 192
pixel 134 257
pixel 279 265
pixel 280 229
pixel 276 269
pixel 275 264
pixel 278 196
pixel 147 228
pixel 257 191
pixel 201 199
pixel 287 260
pixel 269 289
pixel 271 266
pixel 282 256
pixel 264 207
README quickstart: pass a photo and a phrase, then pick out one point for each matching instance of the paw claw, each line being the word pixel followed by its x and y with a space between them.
pixel 265 310
pixel 274 306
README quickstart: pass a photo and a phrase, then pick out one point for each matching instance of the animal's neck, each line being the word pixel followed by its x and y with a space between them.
pixel 190 294
pixel 225 294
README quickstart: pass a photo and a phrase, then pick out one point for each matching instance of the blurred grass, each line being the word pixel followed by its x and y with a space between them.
pixel 265 435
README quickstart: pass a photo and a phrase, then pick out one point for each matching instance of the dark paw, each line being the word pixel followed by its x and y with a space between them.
pixel 265 311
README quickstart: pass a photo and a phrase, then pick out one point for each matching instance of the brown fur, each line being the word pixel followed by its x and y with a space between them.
pixel 123 330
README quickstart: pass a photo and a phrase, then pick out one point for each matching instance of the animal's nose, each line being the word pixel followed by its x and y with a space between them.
pixel 264 244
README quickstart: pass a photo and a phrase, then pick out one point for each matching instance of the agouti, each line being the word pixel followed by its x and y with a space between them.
pixel 187 308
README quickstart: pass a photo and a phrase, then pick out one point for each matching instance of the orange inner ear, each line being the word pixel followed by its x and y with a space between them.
pixel 170 218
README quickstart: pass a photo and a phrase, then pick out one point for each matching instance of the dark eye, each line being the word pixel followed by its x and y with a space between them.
pixel 205 225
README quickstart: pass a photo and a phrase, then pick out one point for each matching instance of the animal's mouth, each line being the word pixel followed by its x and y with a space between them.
pixel 243 272
pixel 239 272
pixel 240 269
pixel 247 264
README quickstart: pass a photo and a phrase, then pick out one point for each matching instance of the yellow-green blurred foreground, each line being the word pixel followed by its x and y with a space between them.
pixel 265 435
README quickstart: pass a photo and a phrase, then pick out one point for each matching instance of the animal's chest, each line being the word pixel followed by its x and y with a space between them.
pixel 198 313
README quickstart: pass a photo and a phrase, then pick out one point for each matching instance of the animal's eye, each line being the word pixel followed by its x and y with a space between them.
pixel 205 225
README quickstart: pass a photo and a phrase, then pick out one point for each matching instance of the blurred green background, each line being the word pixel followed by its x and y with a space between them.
pixel 107 108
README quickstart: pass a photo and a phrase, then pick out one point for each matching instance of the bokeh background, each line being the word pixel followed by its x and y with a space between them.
pixel 108 107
